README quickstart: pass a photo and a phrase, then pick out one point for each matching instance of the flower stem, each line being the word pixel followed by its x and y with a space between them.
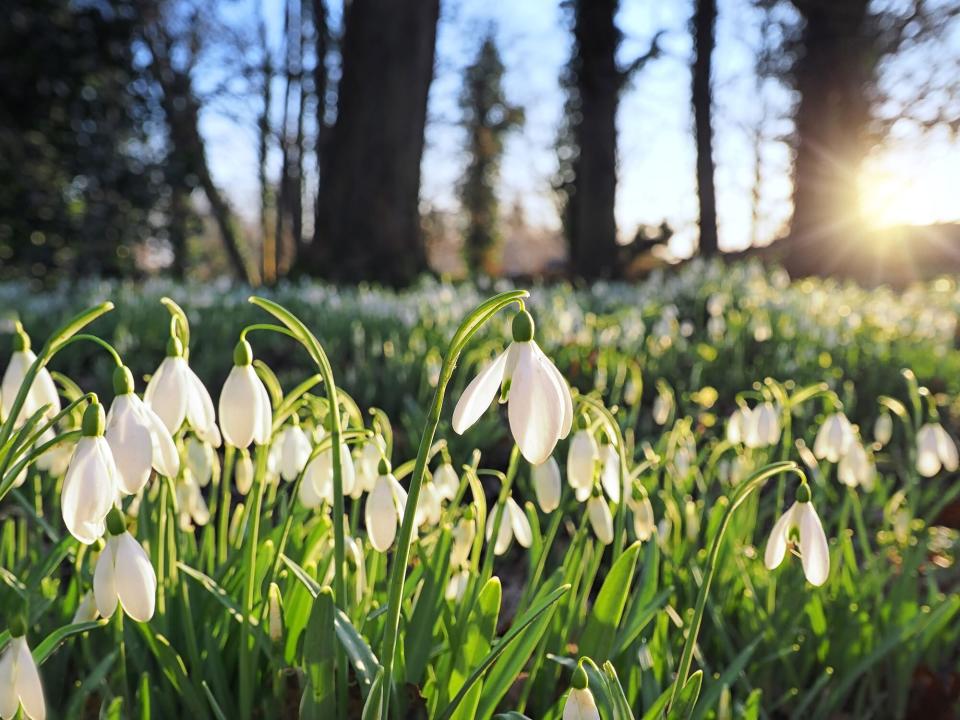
pixel 248 653
pixel 743 491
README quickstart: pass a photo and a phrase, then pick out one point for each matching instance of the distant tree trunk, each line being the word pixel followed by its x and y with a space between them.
pixel 833 73
pixel 296 167
pixel 179 213
pixel 268 240
pixel 183 117
pixel 704 25
pixel 320 86
pixel 368 214
pixel 591 221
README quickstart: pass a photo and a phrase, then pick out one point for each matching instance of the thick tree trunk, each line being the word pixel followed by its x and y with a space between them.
pixel 369 221
pixel 837 65
pixel 320 85
pixel 704 23
pixel 591 220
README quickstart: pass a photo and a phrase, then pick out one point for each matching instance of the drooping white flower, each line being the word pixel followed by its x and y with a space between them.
pixel 175 394
pixel 644 523
pixel 935 449
pixel 857 468
pixel 539 404
pixel 42 390
pixel 457 585
pixel 447 481
pixel 193 507
pixel 580 703
pixel 514 524
pixel 833 438
pixel 582 456
pixel 464 533
pixel 20 682
pixel 883 428
pixel 87 609
pixel 737 425
pixel 610 471
pixel 367 465
pixel 762 426
pixel 124 574
pixel 383 510
pixel 429 506
pixel 274 613
pixel 243 472
pixel 294 452
pixel 800 521
pixel 319 475
pixel 546 484
pixel 662 407
pixel 245 413
pixel 92 483
pixel 600 518
pixel 137 437
pixel 201 460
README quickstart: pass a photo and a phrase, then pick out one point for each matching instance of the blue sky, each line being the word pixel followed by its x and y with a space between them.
pixel 656 151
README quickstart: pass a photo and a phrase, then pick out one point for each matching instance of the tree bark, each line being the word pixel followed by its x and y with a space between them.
pixel 269 246
pixel 368 214
pixel 837 65
pixel 591 220
pixel 704 25
pixel 320 85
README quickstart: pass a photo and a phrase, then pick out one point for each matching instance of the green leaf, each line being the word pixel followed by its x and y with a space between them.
pixel 687 699
pixel 480 631
pixel 52 641
pixel 596 640
pixel 319 698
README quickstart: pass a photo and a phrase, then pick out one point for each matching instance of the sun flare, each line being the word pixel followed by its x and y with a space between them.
pixel 899 188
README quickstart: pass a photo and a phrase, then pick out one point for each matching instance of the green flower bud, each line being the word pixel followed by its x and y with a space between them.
pixel 116 523
pixel 242 353
pixel 21 341
pixel 174 347
pixel 579 681
pixel 522 327
pixel 93 420
pixel 803 493
pixel 122 381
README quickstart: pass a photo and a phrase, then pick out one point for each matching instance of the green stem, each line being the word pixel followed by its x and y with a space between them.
pixel 246 652
pixel 743 491
pixel 124 680
pixel 99 341
pixel 473 322
pixel 223 511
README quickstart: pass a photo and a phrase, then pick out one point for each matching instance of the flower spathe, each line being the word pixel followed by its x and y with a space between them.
pixel 42 390
pixel 124 575
pixel 546 484
pixel 138 438
pixel 20 685
pixel 935 450
pixel 92 483
pixel 801 520
pixel 539 405
pixel 245 413
pixel 176 394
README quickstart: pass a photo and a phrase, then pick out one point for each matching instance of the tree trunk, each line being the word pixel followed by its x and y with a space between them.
pixel 269 245
pixel 320 85
pixel 369 221
pixel 704 24
pixel 837 65
pixel 591 220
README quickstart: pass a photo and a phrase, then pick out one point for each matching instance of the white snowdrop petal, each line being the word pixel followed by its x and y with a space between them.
pixel 243 475
pixel 580 705
pixel 263 413
pixel 29 687
pixel 295 451
pixel 104 580
pixel 777 543
pixel 478 395
pixel 600 519
pixel 166 459
pixel 130 444
pixel 380 515
pixel 565 395
pixel 546 484
pixel 166 393
pixel 610 474
pixel 928 459
pixel 519 523
pixel 534 408
pixel 581 455
pixel 946 449
pixel 136 580
pixel 814 551
pixel 9 700
pixel 238 406
pixel 199 410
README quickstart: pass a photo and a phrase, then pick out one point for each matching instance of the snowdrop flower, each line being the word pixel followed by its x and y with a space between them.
pixel 935 449
pixel 582 456
pixel 464 533
pixel 175 394
pixel 662 407
pixel 737 425
pixel 644 524
pixel 546 484
pixel 243 474
pixel 245 413
pixel 384 509
pixel 800 525
pixel 457 585
pixel 274 613
pixel 92 483
pixel 429 507
pixel 86 610
pixel 124 574
pixel 294 451
pixel 580 703
pixel 19 679
pixel 318 475
pixel 447 481
pixel 137 437
pixel 883 428
pixel 201 460
pixel 600 518
pixel 833 438
pixel 514 524
pixel 367 466
pixel 762 426
pixel 42 390
pixel 539 404
pixel 610 472
pixel 193 508
pixel 857 468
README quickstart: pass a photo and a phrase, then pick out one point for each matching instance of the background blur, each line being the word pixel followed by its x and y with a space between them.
pixel 375 140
